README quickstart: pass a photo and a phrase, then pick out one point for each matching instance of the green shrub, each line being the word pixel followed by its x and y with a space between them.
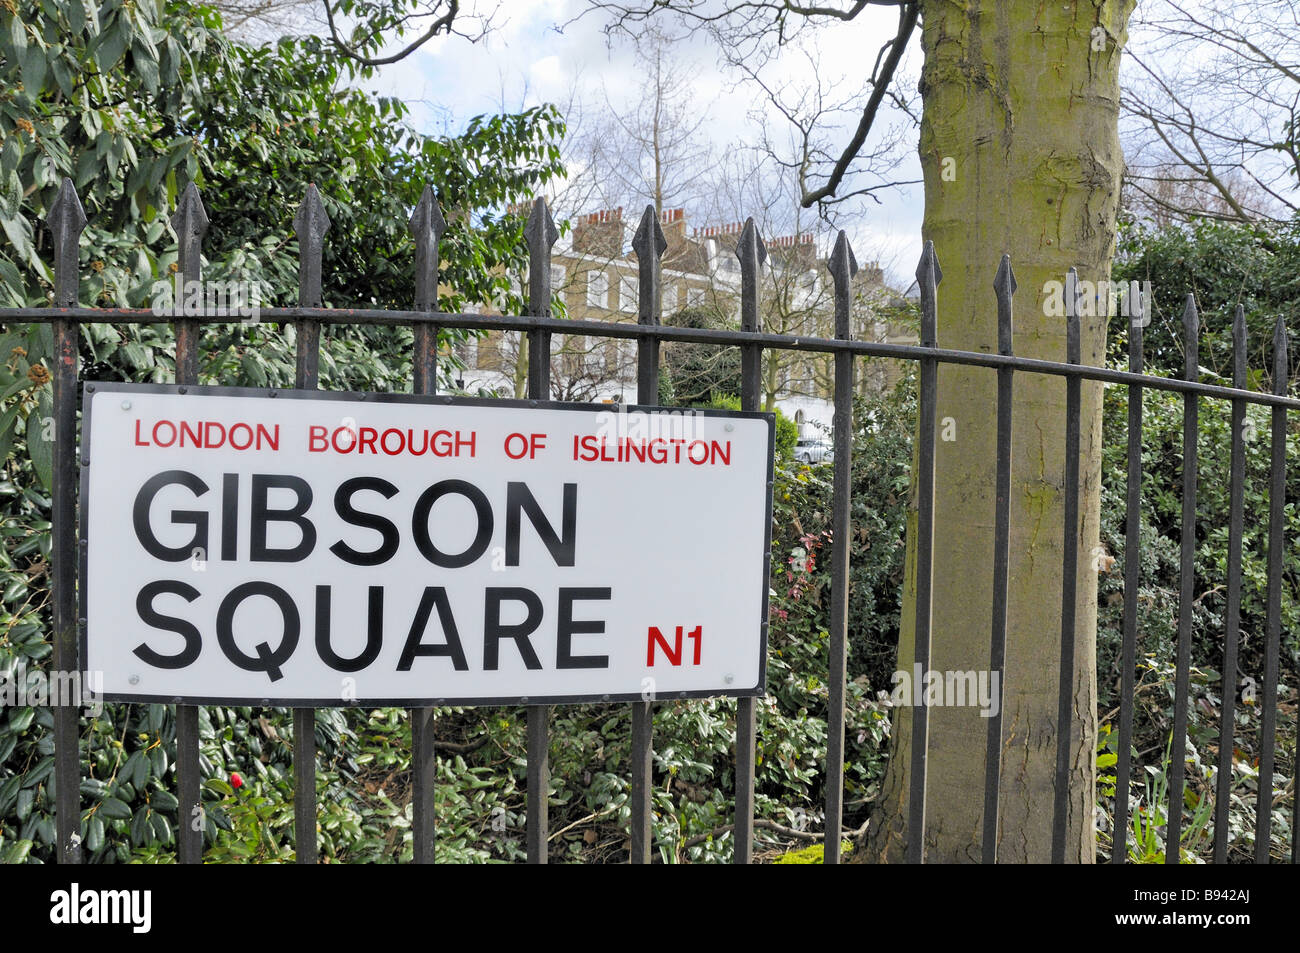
pixel 787 431
pixel 1222 265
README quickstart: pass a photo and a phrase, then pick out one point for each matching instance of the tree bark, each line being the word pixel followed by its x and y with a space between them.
pixel 1021 154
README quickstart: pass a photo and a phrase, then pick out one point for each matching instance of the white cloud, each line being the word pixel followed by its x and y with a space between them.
pixel 544 51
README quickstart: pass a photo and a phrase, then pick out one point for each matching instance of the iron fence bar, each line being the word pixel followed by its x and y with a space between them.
pixel 649 247
pixel 649 244
pixel 1132 578
pixel 1004 285
pixel 423 779
pixel 190 222
pixel 66 221
pixel 843 266
pixel 1069 576
pixel 427 227
pixel 667 333
pixel 1187 591
pixel 1232 622
pixel 541 234
pixel 642 764
pixel 1273 624
pixel 752 253
pixel 928 276
pixel 538 779
pixel 310 225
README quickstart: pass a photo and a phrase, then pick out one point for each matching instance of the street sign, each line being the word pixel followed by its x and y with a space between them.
pixel 309 548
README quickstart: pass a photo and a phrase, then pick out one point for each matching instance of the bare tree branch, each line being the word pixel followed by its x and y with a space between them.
pixel 880 81
pixel 444 13
pixel 1215 94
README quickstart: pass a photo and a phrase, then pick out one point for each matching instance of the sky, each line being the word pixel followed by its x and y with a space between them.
pixel 549 51
pixel 543 51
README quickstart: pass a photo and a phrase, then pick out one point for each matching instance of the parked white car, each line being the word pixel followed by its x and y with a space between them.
pixel 813 450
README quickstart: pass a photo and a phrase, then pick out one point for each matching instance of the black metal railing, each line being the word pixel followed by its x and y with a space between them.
pixel 66 221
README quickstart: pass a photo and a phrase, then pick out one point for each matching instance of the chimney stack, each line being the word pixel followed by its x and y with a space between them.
pixel 673 223
pixel 600 234
pixel 794 251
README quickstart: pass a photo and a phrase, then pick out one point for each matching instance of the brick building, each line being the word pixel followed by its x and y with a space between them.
pixel 594 276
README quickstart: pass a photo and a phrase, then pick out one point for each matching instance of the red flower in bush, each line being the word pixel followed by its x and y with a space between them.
pixel 236 781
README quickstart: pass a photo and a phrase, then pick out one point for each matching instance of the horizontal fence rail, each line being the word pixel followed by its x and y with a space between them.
pixel 665 333
pixel 66 221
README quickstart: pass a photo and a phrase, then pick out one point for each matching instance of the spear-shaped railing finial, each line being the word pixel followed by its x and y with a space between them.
pixel 1073 349
pixel 66 220
pixel 190 222
pixel 649 244
pixel 1281 364
pixel 928 278
pixel 1004 286
pixel 843 266
pixel 752 253
pixel 310 225
pixel 541 234
pixel 1191 334
pixel 427 227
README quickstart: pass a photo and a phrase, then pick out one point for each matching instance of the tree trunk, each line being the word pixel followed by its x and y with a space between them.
pixel 1021 154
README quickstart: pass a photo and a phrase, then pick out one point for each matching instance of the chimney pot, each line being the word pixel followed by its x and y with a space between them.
pixel 599 233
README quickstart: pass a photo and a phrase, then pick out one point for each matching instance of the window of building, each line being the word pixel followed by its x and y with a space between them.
pixel 669 299
pixel 557 277
pixel 597 289
pixel 627 293
pixel 694 297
